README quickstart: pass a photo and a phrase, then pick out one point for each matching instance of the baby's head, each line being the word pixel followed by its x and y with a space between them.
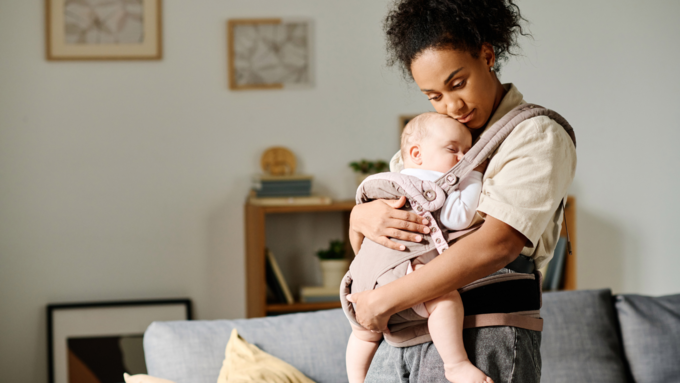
pixel 434 141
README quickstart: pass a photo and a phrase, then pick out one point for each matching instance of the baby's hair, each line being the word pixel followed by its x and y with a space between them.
pixel 416 130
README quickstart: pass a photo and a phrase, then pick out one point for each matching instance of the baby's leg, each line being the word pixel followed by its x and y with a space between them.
pixel 446 328
pixel 361 347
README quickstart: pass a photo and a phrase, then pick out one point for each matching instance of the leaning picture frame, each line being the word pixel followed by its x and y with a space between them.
pixel 273 53
pixel 103 30
pixel 99 341
pixel 403 120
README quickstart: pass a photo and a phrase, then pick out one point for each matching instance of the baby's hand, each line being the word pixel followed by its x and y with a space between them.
pixel 482 167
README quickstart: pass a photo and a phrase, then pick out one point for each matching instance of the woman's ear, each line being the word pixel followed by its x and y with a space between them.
pixel 488 55
pixel 416 155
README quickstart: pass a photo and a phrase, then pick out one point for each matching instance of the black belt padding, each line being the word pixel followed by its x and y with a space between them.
pixel 503 297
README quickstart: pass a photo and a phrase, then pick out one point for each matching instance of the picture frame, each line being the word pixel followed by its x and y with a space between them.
pixel 103 30
pixel 98 341
pixel 273 53
pixel 403 120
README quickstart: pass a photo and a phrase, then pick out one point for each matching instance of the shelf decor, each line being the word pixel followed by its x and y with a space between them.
pixel 333 263
pixel 103 29
pixel 279 185
pixel 269 53
pixel 98 342
pixel 365 168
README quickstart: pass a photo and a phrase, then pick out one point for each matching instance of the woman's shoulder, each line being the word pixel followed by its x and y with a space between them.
pixel 539 128
pixel 535 145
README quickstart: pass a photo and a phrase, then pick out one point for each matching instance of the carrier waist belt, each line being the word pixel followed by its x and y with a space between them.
pixel 502 295
pixel 505 299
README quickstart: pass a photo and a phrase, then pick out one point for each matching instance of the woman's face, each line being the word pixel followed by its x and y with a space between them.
pixel 458 84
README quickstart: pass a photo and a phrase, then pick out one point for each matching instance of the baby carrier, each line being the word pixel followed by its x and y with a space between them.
pixel 502 299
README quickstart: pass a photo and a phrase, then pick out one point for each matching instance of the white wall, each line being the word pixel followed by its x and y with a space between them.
pixel 125 180
pixel 610 67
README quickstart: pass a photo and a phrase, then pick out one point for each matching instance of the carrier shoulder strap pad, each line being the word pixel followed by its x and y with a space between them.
pixel 493 137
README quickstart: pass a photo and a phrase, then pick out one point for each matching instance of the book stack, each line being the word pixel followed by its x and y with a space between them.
pixel 277 288
pixel 267 186
pixel 553 273
pixel 312 294
pixel 284 190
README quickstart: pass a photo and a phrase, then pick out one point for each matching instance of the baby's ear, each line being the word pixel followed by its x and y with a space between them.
pixel 416 155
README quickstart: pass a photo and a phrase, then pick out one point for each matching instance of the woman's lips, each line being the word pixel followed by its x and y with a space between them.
pixel 466 118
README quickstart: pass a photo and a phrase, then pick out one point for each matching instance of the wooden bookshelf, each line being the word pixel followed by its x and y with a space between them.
pixel 256 285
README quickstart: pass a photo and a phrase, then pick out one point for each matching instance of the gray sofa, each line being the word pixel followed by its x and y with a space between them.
pixel 589 336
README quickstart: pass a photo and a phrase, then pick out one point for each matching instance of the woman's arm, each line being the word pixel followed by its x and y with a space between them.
pixel 479 254
pixel 381 220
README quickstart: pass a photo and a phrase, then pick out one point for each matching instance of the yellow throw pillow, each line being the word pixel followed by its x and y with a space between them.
pixel 245 363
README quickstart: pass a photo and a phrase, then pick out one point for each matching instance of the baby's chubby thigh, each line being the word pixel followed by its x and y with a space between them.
pixel 452 299
pixel 366 335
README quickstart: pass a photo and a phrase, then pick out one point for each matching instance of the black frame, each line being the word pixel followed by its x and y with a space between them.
pixel 59 306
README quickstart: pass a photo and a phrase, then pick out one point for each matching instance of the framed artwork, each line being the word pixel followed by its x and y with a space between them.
pixel 103 29
pixel 403 120
pixel 270 53
pixel 98 342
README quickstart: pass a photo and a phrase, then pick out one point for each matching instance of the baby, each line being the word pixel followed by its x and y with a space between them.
pixel 431 144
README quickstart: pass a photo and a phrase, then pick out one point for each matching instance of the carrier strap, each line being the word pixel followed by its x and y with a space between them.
pixel 493 137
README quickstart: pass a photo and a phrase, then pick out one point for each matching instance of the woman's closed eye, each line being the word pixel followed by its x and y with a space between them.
pixel 454 86
pixel 458 85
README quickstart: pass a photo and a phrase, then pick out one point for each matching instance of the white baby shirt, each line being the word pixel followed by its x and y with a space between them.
pixel 461 205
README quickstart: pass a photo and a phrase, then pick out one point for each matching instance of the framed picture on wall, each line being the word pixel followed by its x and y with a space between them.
pixel 103 29
pixel 98 342
pixel 403 120
pixel 270 53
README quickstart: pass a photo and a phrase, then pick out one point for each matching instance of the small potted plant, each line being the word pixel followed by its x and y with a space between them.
pixel 365 168
pixel 333 263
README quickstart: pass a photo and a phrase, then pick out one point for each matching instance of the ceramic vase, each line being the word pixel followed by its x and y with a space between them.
pixel 332 271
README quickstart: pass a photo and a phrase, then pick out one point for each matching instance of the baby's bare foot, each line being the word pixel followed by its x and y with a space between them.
pixel 465 372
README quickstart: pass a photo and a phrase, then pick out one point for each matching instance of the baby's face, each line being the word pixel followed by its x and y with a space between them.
pixel 444 145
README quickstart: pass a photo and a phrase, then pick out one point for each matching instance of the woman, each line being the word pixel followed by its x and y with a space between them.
pixel 452 49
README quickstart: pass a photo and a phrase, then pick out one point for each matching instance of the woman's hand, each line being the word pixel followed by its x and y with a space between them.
pixel 381 220
pixel 366 311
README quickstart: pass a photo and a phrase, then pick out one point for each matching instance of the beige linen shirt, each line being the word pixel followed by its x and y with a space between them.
pixel 527 178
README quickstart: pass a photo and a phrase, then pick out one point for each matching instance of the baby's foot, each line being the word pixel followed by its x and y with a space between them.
pixel 465 372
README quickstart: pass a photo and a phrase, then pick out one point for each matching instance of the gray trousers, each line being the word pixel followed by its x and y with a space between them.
pixel 506 354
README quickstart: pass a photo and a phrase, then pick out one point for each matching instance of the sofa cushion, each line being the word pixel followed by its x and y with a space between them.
pixel 193 351
pixel 579 340
pixel 650 328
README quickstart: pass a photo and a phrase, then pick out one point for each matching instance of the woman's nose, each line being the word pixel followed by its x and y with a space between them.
pixel 453 106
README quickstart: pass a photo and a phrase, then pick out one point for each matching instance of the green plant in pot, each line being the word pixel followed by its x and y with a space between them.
pixel 333 263
pixel 365 168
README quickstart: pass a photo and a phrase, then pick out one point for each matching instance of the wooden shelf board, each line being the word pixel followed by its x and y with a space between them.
pixel 334 206
pixel 299 306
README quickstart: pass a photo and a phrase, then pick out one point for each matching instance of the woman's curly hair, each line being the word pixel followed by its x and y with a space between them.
pixel 412 26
